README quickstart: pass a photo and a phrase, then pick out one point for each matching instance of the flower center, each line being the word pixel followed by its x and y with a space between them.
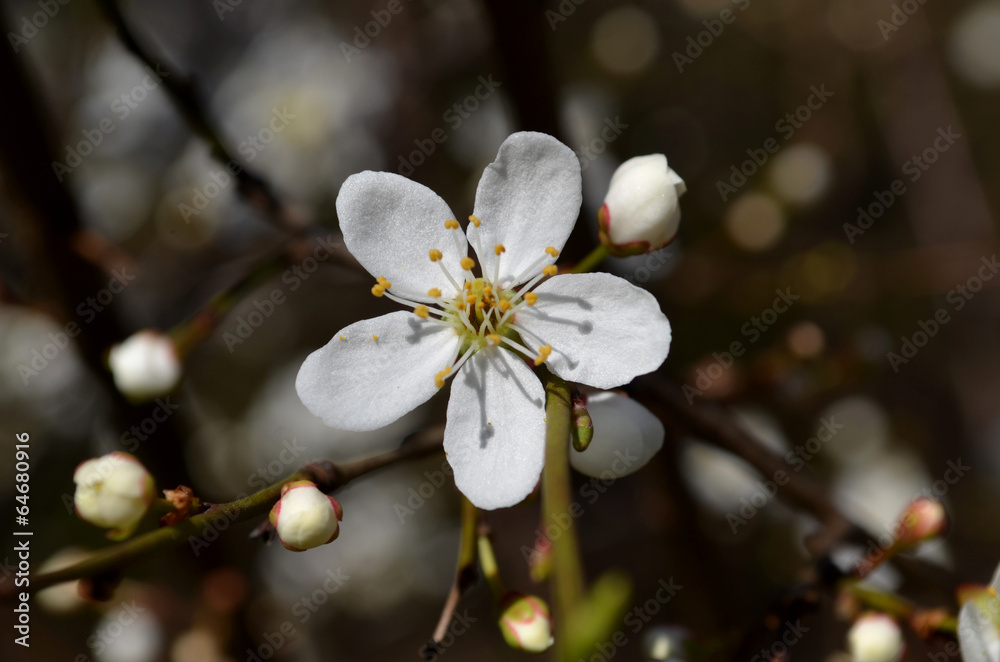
pixel 483 312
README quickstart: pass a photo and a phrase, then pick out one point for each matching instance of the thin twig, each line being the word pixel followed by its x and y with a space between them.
pixel 326 475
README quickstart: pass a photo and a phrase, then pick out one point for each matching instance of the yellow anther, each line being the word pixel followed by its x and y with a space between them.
pixel 504 305
pixel 378 290
pixel 343 337
pixel 467 263
pixel 470 298
pixel 499 248
pixel 475 221
pixel 550 270
pixel 552 251
pixel 374 337
pixel 382 280
pixel 439 378
pixel 530 298
pixel 435 255
pixel 451 224
pixel 421 311
pixel 493 338
pixel 543 354
pixel 467 285
pixel 480 305
pixel 487 291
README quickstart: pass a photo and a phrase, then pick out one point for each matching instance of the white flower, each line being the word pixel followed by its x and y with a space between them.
pixel 626 437
pixel 304 517
pixel 875 637
pixel 641 211
pixel 145 365
pixel 113 491
pixel 526 623
pixel 595 329
pixel 979 624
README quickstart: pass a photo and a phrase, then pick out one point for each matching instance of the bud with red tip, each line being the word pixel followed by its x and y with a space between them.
pixel 922 520
pixel 641 211
pixel 304 517
pixel 525 622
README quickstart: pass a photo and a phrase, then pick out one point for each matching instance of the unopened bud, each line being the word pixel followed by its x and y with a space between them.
pixel 525 622
pixel 113 491
pixel 875 637
pixel 922 520
pixel 304 517
pixel 641 212
pixel 583 425
pixel 145 366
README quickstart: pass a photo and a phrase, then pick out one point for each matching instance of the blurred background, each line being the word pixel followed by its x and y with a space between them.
pixel 842 152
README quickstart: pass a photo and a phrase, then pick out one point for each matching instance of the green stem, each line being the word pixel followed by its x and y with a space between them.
pixel 891 604
pixel 488 564
pixel 594 258
pixel 567 568
pixel 220 517
pixel 465 572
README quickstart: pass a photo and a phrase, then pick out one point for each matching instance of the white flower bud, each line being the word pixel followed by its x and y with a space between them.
pixel 145 366
pixel 626 437
pixel 875 637
pixel 664 642
pixel 641 212
pixel 113 491
pixel 526 623
pixel 304 517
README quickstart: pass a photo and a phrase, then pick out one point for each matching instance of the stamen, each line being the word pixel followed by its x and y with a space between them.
pixel 530 298
pixel 499 248
pixel 504 305
pixel 475 221
pixel 374 337
pixel 378 290
pixel 451 224
pixel 421 311
pixel 543 354
pixel 494 339
pixel 552 251
pixel 435 255
pixel 381 280
pixel 440 377
pixel 467 263
pixel 531 269
pixel 550 270
pixel 434 292
pixel 343 337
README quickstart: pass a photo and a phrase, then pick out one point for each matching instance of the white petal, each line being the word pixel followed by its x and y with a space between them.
pixel 495 435
pixel 626 437
pixel 604 331
pixel 528 199
pixel 978 634
pixel 390 223
pixel 359 383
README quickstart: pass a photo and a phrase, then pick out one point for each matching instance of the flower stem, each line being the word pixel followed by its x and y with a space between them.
pixel 465 576
pixel 567 568
pixel 488 564
pixel 594 258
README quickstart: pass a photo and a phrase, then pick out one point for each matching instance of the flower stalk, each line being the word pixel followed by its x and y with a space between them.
pixel 592 260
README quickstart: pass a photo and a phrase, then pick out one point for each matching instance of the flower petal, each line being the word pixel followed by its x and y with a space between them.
pixel 528 199
pixel 375 370
pixel 495 435
pixel 390 224
pixel 977 634
pixel 626 437
pixel 604 331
